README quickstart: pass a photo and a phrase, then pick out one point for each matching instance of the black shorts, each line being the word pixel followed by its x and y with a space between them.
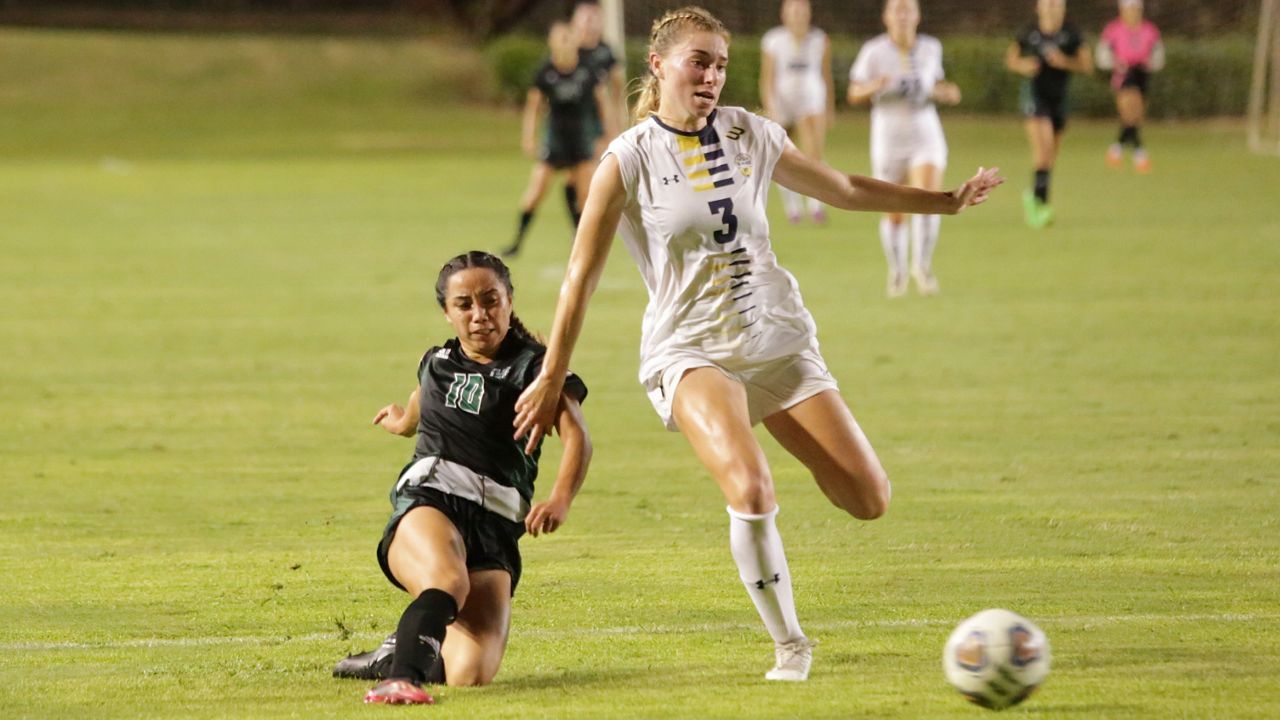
pixel 562 151
pixel 491 541
pixel 1135 77
pixel 1036 105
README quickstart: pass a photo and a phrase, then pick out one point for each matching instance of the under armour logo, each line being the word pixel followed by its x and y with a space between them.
pixel 669 180
pixel 760 584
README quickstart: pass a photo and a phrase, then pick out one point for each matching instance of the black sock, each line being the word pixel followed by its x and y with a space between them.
pixel 577 218
pixel 571 199
pixel 526 217
pixel 1042 185
pixel 420 633
pixel 1129 134
pixel 1135 137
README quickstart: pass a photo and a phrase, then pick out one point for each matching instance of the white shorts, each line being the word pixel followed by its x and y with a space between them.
pixel 800 102
pixel 772 386
pixel 898 147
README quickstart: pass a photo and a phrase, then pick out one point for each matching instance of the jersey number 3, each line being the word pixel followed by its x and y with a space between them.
pixel 725 209
pixel 466 393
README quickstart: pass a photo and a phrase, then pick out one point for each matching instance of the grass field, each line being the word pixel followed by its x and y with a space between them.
pixel 208 286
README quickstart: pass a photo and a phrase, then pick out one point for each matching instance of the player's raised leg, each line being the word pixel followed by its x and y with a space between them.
pixel 822 433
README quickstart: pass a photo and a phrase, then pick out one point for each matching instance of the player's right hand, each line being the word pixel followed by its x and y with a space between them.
pixel 389 418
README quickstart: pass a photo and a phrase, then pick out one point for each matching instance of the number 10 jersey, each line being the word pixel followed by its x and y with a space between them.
pixel 695 223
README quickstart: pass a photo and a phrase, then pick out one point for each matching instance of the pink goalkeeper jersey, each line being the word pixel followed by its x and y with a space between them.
pixel 1132 46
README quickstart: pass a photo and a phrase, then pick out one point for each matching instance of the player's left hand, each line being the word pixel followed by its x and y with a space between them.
pixel 536 411
pixel 975 190
pixel 546 516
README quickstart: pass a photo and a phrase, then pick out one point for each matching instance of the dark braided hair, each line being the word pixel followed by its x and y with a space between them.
pixel 482 259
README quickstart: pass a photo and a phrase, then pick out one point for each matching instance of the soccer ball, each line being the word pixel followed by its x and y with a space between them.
pixel 996 658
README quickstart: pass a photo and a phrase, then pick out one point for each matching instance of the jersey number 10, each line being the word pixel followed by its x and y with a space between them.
pixel 466 393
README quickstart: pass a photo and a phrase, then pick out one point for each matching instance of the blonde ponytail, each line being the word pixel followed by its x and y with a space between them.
pixel 667 32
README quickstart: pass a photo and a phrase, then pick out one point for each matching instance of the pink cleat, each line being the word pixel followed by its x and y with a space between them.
pixel 1142 162
pixel 820 216
pixel 1115 156
pixel 398 692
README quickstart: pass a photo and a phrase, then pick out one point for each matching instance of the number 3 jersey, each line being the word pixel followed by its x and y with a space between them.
pixel 466 409
pixel 695 223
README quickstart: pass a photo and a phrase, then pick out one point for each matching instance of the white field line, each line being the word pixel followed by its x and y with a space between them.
pixel 696 628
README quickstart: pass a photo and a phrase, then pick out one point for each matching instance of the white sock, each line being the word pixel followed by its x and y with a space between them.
pixel 762 565
pixel 893 238
pixel 791 201
pixel 924 238
pixel 813 205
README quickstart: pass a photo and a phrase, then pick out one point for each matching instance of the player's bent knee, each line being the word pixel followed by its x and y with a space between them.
pixel 868 497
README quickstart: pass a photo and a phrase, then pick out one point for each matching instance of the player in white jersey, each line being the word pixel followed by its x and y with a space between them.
pixel 797 90
pixel 900 73
pixel 727 341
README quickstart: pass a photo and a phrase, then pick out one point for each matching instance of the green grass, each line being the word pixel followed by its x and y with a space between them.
pixel 198 324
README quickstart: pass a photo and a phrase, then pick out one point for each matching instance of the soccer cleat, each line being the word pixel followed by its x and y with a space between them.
pixel 896 286
pixel 1037 214
pixel 398 692
pixel 1047 215
pixel 820 216
pixel 1141 162
pixel 793 661
pixel 1115 156
pixel 793 217
pixel 926 282
pixel 372 665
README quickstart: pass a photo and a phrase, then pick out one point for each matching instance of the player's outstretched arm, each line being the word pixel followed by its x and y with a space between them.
pixel 550 514
pixel 400 420
pixel 536 406
pixel 809 177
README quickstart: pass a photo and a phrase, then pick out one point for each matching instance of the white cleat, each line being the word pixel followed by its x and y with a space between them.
pixel 794 659
pixel 926 282
pixel 896 286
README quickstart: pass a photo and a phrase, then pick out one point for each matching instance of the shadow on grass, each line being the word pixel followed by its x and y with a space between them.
pixel 1084 709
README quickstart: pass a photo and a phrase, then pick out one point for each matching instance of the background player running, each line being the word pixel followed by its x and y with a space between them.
pixel 464 500
pixel 900 73
pixel 588 25
pixel 571 91
pixel 1046 52
pixel 726 342
pixel 797 91
pixel 1131 49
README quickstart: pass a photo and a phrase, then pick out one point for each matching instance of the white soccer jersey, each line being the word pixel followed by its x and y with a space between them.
pixel 798 83
pixel 695 223
pixel 905 129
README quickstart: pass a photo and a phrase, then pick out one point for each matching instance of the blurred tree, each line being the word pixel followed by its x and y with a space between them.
pixel 489 18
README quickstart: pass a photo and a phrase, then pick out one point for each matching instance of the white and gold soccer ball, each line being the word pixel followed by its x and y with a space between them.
pixel 996 658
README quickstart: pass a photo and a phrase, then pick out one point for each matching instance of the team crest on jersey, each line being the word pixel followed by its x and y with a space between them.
pixel 743 161
pixel 500 373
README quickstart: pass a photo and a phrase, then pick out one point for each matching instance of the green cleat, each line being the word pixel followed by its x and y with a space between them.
pixel 1038 215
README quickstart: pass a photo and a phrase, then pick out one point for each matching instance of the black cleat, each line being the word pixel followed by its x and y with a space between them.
pixel 372 665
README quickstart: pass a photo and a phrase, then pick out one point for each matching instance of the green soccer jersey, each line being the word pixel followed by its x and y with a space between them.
pixel 466 409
